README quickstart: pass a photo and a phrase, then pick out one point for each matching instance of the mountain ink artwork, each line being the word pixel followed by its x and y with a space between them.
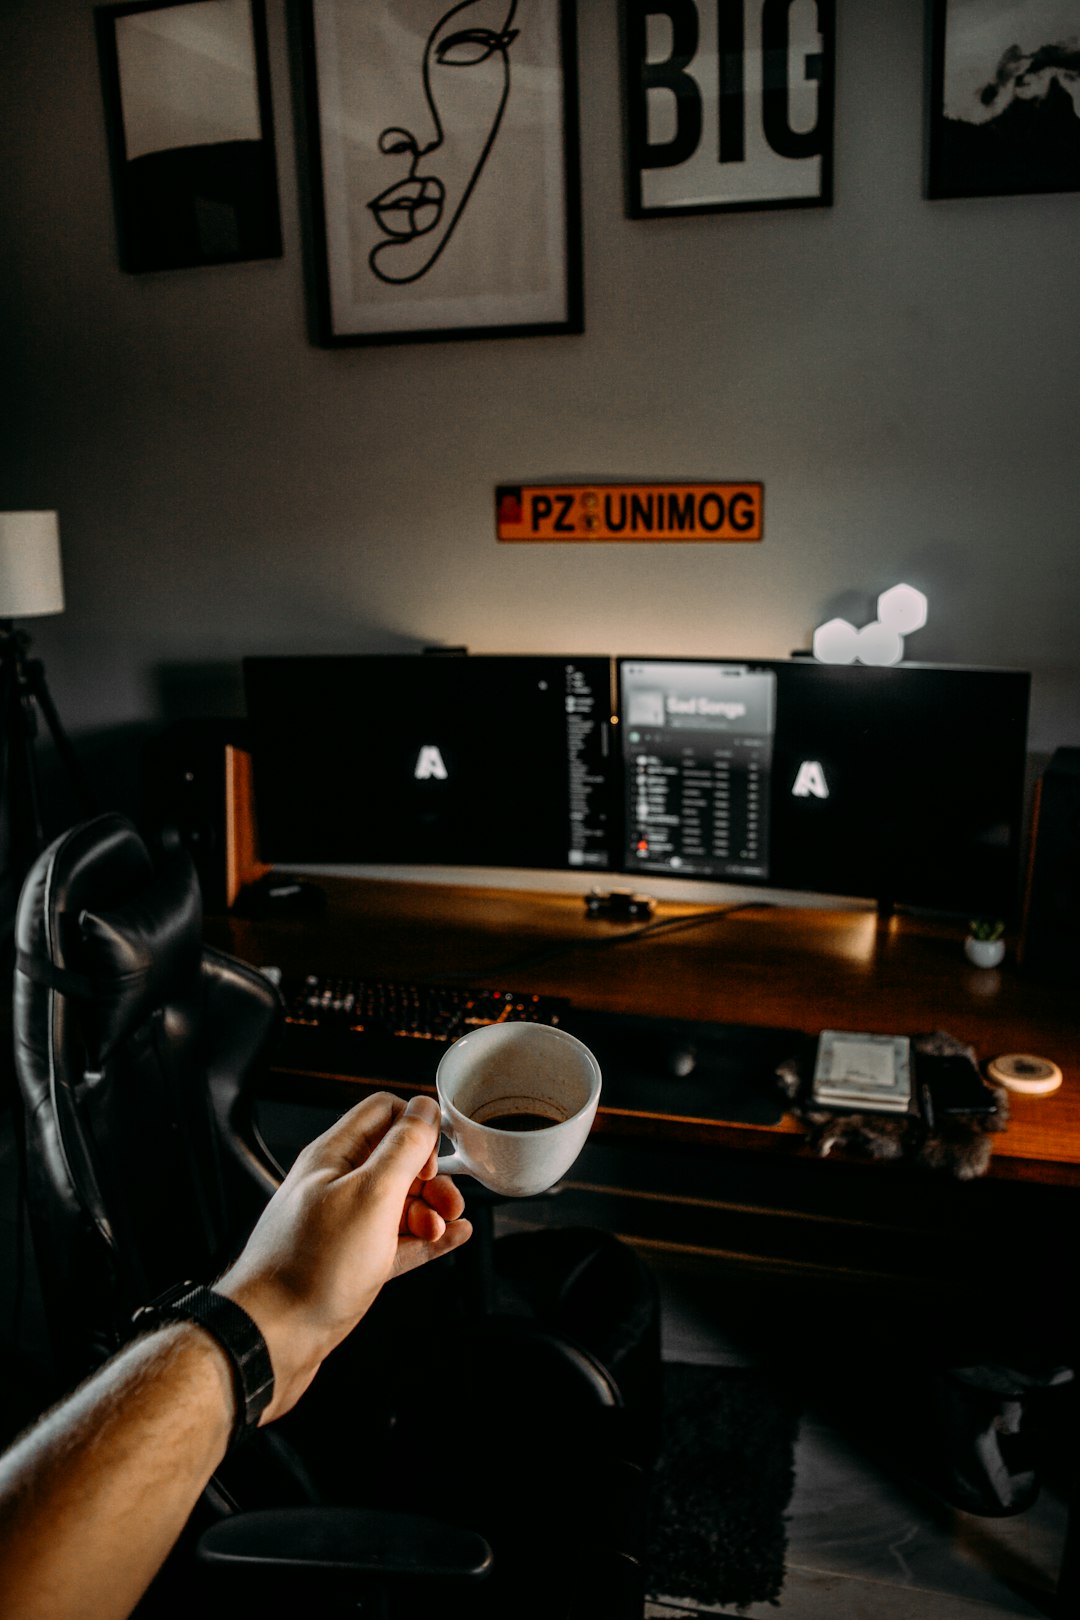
pixel 1005 97
pixel 187 101
pixel 444 134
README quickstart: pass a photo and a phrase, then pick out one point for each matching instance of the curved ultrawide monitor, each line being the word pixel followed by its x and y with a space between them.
pixel 903 784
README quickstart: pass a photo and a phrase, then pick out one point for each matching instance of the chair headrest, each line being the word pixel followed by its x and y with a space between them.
pixel 138 953
pixel 95 905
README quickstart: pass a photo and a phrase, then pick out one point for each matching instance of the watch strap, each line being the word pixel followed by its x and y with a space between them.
pixel 236 1333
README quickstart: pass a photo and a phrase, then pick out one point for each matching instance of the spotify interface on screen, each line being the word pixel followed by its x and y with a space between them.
pixel 697 744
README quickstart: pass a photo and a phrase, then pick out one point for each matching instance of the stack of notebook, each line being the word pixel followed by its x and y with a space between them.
pixel 863 1072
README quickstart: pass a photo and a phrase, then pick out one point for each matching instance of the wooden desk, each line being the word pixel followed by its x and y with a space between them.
pixel 784 967
pixel 752 1198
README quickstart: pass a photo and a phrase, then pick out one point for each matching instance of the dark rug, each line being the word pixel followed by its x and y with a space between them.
pixel 725 1475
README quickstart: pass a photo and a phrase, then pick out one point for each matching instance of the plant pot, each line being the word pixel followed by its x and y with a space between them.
pixel 985 953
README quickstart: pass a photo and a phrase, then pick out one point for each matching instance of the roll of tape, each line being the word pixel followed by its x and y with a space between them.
pixel 1019 1071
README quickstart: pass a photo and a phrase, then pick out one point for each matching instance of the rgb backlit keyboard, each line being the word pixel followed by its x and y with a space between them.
pixel 409 1011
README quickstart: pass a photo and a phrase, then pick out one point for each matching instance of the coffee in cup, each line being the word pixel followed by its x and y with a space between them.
pixel 515 1122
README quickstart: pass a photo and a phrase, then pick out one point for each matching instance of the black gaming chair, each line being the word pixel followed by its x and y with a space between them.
pixel 137 1054
pixel 136 1176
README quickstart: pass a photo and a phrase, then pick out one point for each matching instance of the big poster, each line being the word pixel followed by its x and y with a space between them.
pixel 729 104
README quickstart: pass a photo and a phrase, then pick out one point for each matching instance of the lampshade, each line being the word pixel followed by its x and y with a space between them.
pixel 31 581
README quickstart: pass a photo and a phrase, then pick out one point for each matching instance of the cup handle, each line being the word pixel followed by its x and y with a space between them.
pixel 452 1164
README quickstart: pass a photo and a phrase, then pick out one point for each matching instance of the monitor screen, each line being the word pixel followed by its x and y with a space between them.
pixel 411 759
pixel 697 755
pixel 902 783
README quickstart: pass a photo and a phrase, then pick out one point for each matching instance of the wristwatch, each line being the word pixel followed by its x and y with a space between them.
pixel 235 1332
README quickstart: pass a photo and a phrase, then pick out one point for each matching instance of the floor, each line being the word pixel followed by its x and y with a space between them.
pixel 860 1543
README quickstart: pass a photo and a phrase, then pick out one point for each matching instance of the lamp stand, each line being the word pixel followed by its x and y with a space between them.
pixel 24 691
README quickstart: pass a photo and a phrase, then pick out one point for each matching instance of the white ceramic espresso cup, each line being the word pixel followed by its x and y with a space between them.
pixel 506 1069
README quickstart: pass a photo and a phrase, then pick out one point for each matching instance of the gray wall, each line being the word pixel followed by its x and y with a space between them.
pixel 902 374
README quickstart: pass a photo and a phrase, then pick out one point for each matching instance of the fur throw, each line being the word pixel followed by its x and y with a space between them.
pixel 959 1144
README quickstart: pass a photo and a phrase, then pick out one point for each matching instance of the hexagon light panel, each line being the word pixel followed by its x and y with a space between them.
pixel 878 643
pixel 902 608
pixel 835 642
pixel 901 611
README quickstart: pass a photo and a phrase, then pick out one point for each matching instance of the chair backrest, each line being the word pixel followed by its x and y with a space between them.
pixel 133 1047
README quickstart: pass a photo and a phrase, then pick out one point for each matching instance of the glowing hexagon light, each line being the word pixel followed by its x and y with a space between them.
pixel 878 643
pixel 902 608
pixel 836 642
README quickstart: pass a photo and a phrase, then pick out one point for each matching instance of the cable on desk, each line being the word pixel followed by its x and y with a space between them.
pixel 661 923
pixel 604 941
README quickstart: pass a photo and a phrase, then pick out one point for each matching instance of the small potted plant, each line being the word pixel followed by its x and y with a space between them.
pixel 984 944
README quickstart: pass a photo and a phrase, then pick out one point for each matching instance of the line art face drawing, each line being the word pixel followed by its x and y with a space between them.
pixel 444 138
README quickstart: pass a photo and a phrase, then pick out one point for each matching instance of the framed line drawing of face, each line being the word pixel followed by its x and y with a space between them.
pixel 1004 112
pixel 445 169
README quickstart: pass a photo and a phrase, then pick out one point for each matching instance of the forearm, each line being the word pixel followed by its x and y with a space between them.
pixel 95 1496
pixel 92 1500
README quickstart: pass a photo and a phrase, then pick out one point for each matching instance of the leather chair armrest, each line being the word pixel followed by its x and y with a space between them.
pixel 243 1013
pixel 344 1543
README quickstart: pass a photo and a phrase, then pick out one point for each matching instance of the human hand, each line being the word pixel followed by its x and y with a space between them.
pixel 362 1203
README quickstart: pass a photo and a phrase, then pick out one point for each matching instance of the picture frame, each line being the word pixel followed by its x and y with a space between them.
pixel 444 167
pixel 1003 113
pixel 186 86
pixel 728 105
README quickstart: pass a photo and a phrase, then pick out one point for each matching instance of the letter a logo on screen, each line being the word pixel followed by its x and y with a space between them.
pixel 810 781
pixel 429 762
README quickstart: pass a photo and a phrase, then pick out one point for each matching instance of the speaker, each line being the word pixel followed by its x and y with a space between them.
pixel 1050 939
pixel 197 793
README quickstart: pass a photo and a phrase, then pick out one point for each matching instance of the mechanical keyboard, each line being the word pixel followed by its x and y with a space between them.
pixel 389 1009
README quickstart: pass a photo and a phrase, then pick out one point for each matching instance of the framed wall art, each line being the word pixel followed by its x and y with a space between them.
pixel 444 151
pixel 1004 113
pixel 187 103
pixel 728 104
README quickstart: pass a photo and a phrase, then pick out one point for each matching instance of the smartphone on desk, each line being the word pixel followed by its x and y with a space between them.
pixel 953 1085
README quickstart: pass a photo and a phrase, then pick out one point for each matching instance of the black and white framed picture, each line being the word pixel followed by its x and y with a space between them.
pixel 187 102
pixel 729 104
pixel 446 190
pixel 1004 113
